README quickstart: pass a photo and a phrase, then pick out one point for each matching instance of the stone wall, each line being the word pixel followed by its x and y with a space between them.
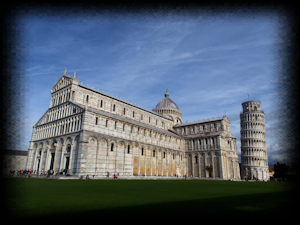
pixel 14 160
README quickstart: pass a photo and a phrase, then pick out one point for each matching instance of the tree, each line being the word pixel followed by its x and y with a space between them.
pixel 280 170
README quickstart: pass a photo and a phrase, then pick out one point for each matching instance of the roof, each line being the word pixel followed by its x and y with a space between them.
pixel 127 120
pixel 200 121
pixel 121 100
pixel 166 103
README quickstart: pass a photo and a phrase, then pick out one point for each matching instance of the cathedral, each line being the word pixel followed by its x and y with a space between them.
pixel 89 132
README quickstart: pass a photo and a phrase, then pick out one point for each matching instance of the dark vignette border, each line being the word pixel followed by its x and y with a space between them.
pixel 13 51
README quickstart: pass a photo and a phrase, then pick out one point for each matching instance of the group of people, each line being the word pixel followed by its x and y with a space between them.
pixel 21 173
pixel 30 172
pixel 115 175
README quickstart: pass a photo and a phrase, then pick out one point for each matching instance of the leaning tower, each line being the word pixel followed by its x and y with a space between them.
pixel 254 158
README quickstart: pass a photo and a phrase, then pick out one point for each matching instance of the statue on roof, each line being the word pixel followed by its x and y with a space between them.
pixel 65 71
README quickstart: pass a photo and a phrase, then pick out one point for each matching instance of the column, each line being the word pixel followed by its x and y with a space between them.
pixel 167 162
pixel 71 157
pixel 62 157
pixel 41 159
pixel 55 156
pixel 162 157
pixel 47 160
pixel 156 162
pixel 205 165
pixel 213 166
pixel 139 153
pixel 35 159
pixel 221 166
pixel 192 166
pixel 172 163
pixel 199 166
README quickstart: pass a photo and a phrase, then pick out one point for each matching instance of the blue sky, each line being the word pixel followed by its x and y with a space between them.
pixel 208 64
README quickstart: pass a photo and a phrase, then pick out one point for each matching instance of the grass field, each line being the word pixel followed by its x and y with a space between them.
pixel 47 198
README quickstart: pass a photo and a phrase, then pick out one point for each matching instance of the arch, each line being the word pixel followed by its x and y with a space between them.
pixel 93 139
pixel 68 140
pixel 41 145
pixel 121 143
pixel 103 142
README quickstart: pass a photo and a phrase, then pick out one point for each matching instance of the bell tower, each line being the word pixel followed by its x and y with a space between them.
pixel 254 158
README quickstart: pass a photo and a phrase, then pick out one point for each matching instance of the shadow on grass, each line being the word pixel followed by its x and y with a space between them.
pixel 267 206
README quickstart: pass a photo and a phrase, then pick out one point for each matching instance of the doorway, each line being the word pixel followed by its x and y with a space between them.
pixel 67 164
pixel 52 160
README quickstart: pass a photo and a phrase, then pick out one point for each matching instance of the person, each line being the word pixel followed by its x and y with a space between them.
pixel 107 174
pixel 87 177
pixel 114 176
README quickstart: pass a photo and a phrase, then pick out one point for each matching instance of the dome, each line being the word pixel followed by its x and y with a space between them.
pixel 166 103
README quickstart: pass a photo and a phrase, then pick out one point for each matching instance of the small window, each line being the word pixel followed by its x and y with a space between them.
pixel 142 151
pixel 133 114
pixel 112 147
pixel 164 154
pixel 153 153
pixel 124 111
pixel 114 107
pixel 149 119
pixel 115 125
pixel 96 121
pixel 123 127
pixel 106 123
pixel 87 99
pixel 128 149
pixel 101 104
pixel 69 148
pixel 173 155
pixel 196 159
pixel 141 116
pixel 181 157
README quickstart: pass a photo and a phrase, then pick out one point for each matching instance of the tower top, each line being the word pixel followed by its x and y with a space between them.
pixel 251 106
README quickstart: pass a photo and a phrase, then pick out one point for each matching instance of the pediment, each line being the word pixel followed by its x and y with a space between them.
pixel 64 81
pixel 226 119
pixel 59 112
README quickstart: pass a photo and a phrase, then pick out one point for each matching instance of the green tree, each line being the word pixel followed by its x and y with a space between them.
pixel 280 170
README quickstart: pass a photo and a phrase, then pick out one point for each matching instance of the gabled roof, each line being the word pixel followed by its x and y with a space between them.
pixel 40 121
pixel 65 80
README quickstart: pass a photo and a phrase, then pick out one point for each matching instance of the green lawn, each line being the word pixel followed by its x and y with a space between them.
pixel 47 198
